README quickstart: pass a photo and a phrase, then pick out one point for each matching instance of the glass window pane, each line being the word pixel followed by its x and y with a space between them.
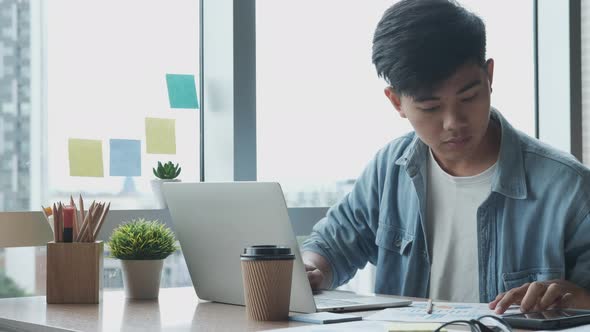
pixel 90 70
pixel 106 73
pixel 321 110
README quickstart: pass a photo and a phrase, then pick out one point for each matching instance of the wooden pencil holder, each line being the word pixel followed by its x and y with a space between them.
pixel 74 272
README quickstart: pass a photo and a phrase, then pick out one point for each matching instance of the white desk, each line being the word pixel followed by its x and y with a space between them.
pixel 177 309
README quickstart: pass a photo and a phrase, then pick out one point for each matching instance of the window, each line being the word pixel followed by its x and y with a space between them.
pixel 90 71
pixel 321 114
pixel 106 73
pixel 321 110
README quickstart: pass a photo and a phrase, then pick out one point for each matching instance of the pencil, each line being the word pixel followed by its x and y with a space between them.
pixel 89 224
pixel 100 222
pixel 97 216
pixel 429 306
pixel 75 221
pixel 46 216
pixel 82 232
pixel 81 210
pixel 60 233
pixel 84 229
pixel 55 224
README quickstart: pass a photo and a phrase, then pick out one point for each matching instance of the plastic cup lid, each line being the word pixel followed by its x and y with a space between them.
pixel 267 252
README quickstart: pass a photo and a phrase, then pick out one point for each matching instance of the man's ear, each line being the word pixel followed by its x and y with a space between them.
pixel 490 71
pixel 395 100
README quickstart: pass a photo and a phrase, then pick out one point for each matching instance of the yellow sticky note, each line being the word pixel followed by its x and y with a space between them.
pixel 85 157
pixel 415 327
pixel 160 135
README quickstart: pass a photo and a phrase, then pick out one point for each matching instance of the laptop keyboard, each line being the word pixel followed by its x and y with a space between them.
pixel 325 302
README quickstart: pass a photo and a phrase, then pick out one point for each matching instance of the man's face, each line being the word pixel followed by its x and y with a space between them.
pixel 453 119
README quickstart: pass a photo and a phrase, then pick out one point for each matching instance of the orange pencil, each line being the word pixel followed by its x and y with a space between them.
pixel 46 214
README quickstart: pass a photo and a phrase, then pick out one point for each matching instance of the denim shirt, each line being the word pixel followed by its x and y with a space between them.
pixel 533 226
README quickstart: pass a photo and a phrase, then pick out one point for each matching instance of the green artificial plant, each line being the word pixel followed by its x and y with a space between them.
pixel 141 240
pixel 167 171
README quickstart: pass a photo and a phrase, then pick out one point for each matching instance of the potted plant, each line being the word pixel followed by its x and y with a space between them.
pixel 142 246
pixel 167 172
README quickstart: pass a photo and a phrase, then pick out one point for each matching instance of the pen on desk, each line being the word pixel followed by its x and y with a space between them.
pixel 429 306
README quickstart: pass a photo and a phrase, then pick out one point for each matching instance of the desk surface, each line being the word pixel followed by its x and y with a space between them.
pixel 177 309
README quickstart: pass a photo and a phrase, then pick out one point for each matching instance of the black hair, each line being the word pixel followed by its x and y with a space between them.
pixel 420 43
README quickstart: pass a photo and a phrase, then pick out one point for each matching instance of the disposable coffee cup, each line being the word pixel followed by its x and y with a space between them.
pixel 267 271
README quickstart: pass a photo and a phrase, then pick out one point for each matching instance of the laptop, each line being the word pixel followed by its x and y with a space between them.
pixel 214 222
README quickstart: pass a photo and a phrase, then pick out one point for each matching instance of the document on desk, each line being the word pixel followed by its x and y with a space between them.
pixel 366 326
pixel 442 312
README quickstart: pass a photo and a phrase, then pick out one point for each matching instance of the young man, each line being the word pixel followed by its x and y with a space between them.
pixel 465 208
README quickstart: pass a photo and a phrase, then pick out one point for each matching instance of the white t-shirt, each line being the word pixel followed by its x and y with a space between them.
pixel 452 231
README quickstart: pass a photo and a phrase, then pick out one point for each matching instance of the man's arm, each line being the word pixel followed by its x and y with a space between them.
pixel 318 270
pixel 344 240
pixel 572 293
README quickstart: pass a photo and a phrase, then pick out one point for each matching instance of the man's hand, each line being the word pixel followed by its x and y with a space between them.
pixel 315 277
pixel 541 295
pixel 318 270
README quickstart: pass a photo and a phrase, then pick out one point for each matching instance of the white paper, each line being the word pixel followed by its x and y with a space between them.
pixel 365 326
pixel 442 312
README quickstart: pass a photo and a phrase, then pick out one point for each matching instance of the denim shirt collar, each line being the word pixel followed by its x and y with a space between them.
pixel 509 179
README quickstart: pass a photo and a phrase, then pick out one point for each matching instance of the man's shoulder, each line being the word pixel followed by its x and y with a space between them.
pixel 540 156
pixel 396 148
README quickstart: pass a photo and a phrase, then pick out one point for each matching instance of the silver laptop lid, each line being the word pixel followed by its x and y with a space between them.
pixel 215 221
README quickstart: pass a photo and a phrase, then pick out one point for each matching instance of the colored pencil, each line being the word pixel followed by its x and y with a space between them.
pixel 44 212
pixel 100 222
pixel 55 224
pixel 75 220
pixel 60 234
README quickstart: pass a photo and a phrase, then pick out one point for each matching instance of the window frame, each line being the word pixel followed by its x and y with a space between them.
pixel 558 74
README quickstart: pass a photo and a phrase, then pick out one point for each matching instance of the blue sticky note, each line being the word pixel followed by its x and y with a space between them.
pixel 182 92
pixel 125 157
